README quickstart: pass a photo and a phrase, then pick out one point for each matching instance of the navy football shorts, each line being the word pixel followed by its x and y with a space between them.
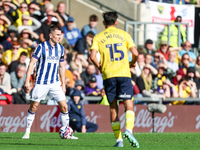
pixel 118 88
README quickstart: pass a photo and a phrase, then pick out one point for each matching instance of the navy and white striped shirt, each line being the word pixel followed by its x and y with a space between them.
pixel 48 62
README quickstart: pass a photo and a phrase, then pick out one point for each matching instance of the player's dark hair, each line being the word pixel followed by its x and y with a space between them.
pixel 110 17
pixel 23 54
pixel 93 18
pixel 53 28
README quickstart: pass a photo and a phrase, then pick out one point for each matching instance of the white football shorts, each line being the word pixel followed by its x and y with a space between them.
pixel 54 90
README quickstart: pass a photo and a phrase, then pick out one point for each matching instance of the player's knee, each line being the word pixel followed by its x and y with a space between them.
pixel 129 107
pixel 64 108
pixel 33 108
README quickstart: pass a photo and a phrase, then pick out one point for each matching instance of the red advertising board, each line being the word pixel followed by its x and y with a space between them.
pixel 175 119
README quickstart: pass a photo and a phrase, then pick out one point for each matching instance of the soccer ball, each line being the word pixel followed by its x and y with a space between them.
pixel 98 56
pixel 65 132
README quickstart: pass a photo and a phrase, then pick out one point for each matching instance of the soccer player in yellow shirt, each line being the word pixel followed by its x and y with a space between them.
pixel 113 45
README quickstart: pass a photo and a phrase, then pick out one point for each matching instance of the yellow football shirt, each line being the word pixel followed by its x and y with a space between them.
pixel 7 56
pixel 113 45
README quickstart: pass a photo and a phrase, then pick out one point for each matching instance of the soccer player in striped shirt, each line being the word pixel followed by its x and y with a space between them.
pixel 49 56
pixel 113 45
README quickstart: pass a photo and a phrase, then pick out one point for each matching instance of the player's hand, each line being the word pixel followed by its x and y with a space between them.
pixel 83 129
pixel 27 85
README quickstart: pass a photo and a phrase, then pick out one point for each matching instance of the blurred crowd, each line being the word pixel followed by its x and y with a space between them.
pixel 169 71
pixel 181 2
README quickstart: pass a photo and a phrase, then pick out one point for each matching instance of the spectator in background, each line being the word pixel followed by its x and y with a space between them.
pixel 77 115
pixel 179 76
pixel 91 89
pixel 79 85
pixel 2 12
pixel 75 77
pixel 144 81
pixel 174 33
pixel 171 64
pixel 25 19
pixel 185 64
pixel 22 96
pixel 186 49
pixel 89 71
pixel 5 17
pixel 148 48
pixel 13 66
pixel 28 34
pixel 164 49
pixel 12 36
pixel 18 77
pixel 11 10
pixel 78 63
pixel 4 23
pixel 44 29
pixel 71 34
pixel 44 3
pixel 93 20
pixel 1 51
pixel 197 67
pixel 191 76
pixel 23 10
pixel 158 82
pixel 148 59
pixel 185 89
pixel 83 44
pixel 13 54
pixel 67 53
pixel 4 78
pixel 34 10
pixel 61 9
pixel 158 58
pixel 140 64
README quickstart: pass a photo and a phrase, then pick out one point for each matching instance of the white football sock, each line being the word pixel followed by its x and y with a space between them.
pixel 64 118
pixel 129 131
pixel 118 140
pixel 29 121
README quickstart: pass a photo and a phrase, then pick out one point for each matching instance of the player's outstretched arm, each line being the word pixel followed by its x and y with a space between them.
pixel 62 75
pixel 134 56
pixel 30 69
pixel 94 59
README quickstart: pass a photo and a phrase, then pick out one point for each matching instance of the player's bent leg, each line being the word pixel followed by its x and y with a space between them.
pixel 30 118
pixel 64 113
pixel 129 119
pixel 115 123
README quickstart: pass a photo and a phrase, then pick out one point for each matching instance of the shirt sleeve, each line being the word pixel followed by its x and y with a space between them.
pixel 62 53
pixel 37 52
pixel 129 41
pixel 95 44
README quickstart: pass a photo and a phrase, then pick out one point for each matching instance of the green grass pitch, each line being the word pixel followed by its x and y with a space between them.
pixel 99 141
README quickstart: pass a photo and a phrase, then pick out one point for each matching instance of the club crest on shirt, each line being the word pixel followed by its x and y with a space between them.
pixel 46 49
pixel 36 97
pixel 59 51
